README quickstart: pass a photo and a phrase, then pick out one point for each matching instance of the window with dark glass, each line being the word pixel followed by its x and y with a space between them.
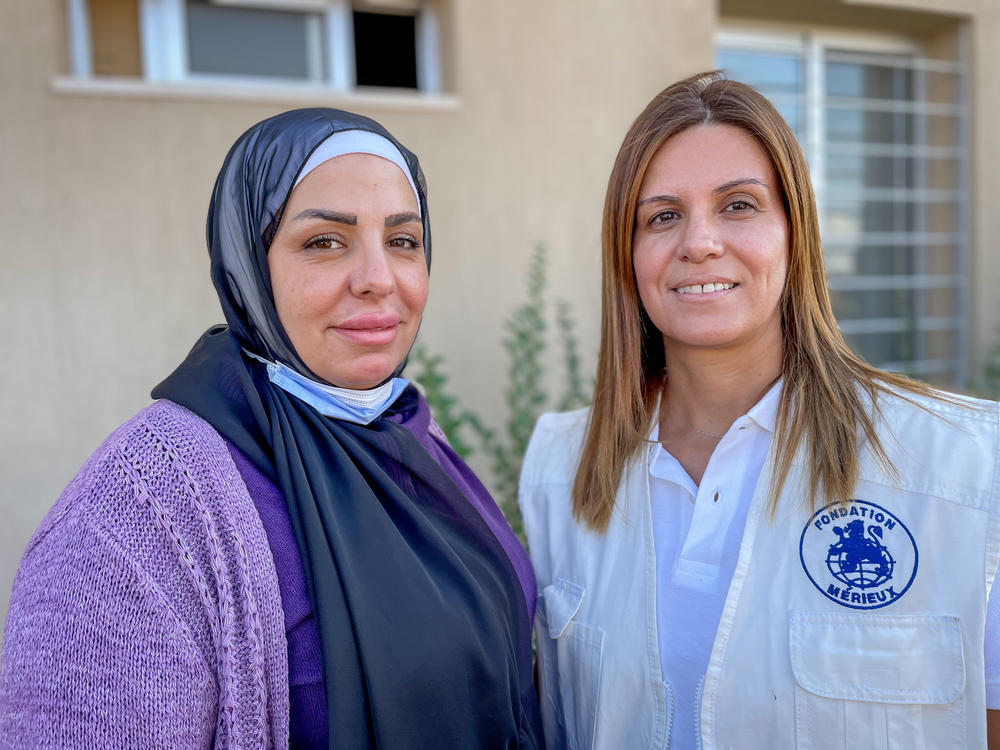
pixel 385 50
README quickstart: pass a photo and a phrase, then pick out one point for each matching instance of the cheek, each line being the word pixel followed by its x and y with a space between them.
pixel 767 257
pixel 781 261
pixel 638 262
pixel 303 296
pixel 297 298
pixel 414 285
pixel 647 270
pixel 284 290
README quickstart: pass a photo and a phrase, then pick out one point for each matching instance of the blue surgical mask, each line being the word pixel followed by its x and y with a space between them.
pixel 359 407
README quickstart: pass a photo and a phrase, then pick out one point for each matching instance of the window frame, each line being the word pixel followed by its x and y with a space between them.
pixel 163 45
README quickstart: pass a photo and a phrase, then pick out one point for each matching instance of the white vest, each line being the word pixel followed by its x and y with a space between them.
pixel 851 627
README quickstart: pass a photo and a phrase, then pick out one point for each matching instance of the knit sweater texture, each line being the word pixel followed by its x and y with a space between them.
pixel 146 610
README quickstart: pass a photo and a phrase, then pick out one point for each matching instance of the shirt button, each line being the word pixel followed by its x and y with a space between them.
pixel 716 498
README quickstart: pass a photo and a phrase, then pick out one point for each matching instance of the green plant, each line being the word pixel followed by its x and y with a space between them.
pixel 525 342
pixel 575 394
pixel 525 394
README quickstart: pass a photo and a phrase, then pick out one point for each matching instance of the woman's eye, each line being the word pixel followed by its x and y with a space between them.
pixel 739 205
pixel 663 217
pixel 323 243
pixel 407 243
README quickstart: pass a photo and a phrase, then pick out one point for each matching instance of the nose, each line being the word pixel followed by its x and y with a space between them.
pixel 701 240
pixel 372 275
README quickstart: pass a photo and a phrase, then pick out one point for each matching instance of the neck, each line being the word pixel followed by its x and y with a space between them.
pixel 707 390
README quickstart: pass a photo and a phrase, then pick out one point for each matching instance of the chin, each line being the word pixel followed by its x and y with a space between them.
pixel 703 339
pixel 358 383
pixel 359 378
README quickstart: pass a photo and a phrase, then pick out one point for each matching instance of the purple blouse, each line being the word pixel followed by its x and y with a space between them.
pixel 308 723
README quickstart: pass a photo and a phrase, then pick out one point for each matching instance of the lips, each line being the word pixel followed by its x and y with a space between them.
pixel 372 329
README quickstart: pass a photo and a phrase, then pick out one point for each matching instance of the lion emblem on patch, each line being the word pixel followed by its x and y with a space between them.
pixel 858 554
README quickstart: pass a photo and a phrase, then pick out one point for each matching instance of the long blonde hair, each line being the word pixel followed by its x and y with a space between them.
pixel 827 389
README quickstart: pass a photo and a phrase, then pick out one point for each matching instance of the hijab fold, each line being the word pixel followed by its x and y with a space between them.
pixel 424 628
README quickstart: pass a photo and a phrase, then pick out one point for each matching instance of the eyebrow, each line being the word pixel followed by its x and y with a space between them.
pixel 725 186
pixel 322 213
pixel 738 182
pixel 394 220
pixel 659 199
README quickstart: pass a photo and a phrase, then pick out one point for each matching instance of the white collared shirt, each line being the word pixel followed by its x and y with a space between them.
pixel 697 530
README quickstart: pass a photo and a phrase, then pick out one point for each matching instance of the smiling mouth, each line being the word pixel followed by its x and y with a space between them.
pixel 704 288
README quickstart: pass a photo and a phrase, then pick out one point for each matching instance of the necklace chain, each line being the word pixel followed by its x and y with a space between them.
pixel 708 434
pixel 702 432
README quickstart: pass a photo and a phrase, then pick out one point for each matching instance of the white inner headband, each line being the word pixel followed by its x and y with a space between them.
pixel 358 142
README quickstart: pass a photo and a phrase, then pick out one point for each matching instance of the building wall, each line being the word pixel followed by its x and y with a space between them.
pixel 103 198
pixel 103 195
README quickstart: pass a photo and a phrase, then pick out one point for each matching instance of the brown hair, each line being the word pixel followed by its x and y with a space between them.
pixel 823 400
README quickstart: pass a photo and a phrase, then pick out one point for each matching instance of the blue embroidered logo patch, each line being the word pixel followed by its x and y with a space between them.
pixel 858 554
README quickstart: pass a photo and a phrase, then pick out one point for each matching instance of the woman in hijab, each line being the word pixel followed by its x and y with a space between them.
pixel 283 550
pixel 753 538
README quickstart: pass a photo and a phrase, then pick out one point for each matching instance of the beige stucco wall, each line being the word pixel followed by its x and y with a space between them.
pixel 102 203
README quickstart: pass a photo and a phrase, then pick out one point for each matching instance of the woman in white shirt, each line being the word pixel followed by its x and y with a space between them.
pixel 703 584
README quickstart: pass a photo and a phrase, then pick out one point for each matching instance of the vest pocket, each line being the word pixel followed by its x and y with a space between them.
pixel 877 682
pixel 569 661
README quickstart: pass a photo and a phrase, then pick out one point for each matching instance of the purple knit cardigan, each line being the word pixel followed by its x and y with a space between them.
pixel 146 611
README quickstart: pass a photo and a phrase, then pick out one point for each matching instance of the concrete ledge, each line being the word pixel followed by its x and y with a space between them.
pixel 258 92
